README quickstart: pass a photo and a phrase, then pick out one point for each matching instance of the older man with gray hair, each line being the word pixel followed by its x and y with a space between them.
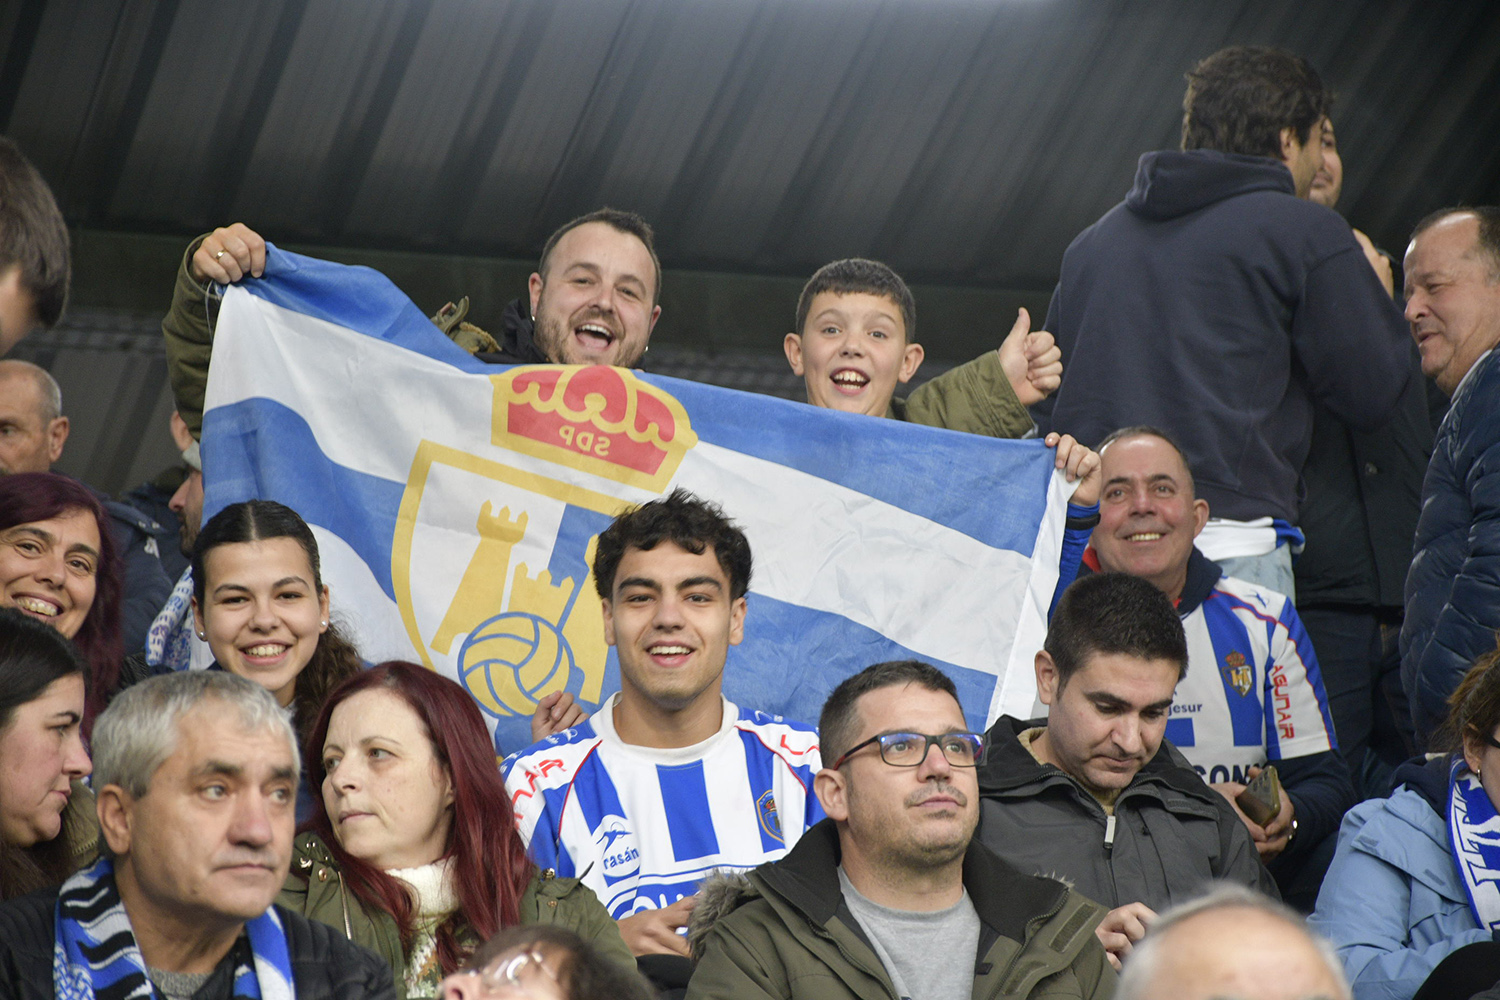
pixel 196 779
pixel 1232 944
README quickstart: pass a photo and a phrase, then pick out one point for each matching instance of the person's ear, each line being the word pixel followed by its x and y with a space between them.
pixel 1473 752
pixel 1200 515
pixel 115 807
pixel 181 436
pixel 323 605
pixel 1048 680
pixel 737 621
pixel 609 622
pixel 198 625
pixel 1289 146
pixel 57 436
pixel 832 790
pixel 792 345
pixel 534 284
pixel 911 360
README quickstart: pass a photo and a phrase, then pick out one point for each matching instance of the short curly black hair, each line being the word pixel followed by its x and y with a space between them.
pixel 683 519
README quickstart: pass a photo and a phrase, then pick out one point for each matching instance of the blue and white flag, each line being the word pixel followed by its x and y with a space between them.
pixel 456 505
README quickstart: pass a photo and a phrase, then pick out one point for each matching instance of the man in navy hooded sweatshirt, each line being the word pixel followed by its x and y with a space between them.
pixel 1216 303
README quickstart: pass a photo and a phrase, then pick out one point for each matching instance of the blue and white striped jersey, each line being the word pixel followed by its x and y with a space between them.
pixel 1253 692
pixel 642 826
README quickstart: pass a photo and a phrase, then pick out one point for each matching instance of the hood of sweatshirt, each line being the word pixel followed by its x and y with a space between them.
pixel 1169 183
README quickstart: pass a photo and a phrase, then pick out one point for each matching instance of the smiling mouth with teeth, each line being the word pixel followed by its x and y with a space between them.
pixel 1144 536
pixel 668 650
pixel 850 378
pixel 38 607
pixel 595 331
pixel 267 649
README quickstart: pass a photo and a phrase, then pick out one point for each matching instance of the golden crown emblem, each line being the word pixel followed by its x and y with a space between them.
pixel 602 420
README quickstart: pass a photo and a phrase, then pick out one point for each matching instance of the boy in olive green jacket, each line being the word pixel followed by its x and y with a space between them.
pixel 856 324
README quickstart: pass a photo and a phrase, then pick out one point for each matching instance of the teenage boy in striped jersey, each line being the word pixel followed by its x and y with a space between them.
pixel 669 780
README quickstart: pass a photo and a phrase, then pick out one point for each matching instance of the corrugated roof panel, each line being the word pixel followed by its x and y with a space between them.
pixel 964 141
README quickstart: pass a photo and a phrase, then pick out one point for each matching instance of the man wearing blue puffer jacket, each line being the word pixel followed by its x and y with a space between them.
pixel 1453 586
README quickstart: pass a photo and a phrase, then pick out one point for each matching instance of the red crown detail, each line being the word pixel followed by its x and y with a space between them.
pixel 603 419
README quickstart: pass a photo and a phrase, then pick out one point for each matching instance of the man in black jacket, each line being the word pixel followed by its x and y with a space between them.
pixel 1359 513
pixel 1216 304
pixel 196 778
pixel 1094 793
pixel 1453 587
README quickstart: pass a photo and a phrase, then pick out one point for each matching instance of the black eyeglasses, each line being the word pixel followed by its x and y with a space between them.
pixel 910 749
pixel 1490 739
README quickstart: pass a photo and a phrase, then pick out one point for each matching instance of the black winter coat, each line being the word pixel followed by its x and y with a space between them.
pixel 1453 588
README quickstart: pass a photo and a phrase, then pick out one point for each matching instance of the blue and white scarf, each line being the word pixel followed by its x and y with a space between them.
pixel 1474 836
pixel 169 642
pixel 95 956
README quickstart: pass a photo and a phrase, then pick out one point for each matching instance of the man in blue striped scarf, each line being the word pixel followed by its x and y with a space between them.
pixel 196 779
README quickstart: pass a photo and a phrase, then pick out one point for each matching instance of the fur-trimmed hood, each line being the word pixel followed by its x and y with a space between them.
pixel 719 895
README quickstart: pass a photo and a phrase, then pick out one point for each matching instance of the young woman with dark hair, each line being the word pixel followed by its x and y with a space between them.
pixel 58 565
pixel 47 825
pixel 413 849
pixel 260 603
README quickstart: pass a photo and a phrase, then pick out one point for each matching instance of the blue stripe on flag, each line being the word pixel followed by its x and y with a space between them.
pixel 932 473
pixel 792 659
pixel 357 298
pixel 799 655
pixel 684 795
pixel 260 448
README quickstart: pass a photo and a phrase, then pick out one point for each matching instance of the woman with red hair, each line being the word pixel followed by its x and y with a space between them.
pixel 413 850
pixel 58 564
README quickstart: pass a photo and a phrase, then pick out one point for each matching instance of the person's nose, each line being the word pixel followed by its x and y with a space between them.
pixel 934 764
pixel 251 825
pixel 179 499
pixel 263 616
pixel 852 345
pixel 669 614
pixel 76 763
pixel 1417 306
pixel 462 986
pixel 51 568
pixel 1127 734
pixel 344 776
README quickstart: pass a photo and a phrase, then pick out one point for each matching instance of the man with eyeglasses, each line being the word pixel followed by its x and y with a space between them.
pixel 891 894
pixel 1093 792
